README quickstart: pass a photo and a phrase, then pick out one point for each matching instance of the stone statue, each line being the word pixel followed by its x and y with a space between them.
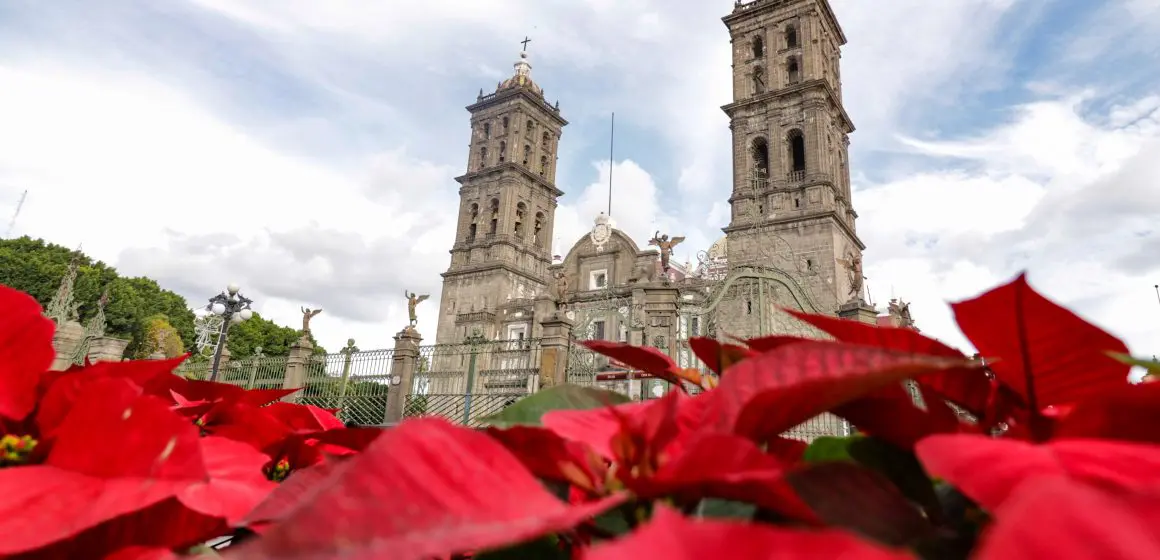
pixel 666 246
pixel 901 310
pixel 413 300
pixel 560 289
pixel 853 264
pixel 307 315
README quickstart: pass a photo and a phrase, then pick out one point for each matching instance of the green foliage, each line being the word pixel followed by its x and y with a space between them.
pixel 528 411
pixel 37 267
pixel 160 335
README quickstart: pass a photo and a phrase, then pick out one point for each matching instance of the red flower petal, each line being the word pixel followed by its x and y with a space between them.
pixel 597 427
pixel 717 356
pixel 670 536
pixel 767 395
pixel 423 489
pixel 115 433
pixel 236 482
pixel 989 469
pixel 303 417
pixel 551 457
pixel 1059 519
pixel 25 352
pixel 728 467
pixel 1047 354
pixel 1129 413
pixel 890 415
pixel 967 387
pixel 645 358
pixel 284 499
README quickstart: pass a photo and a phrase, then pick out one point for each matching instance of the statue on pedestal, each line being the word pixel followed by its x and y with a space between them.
pixel 307 315
pixel 560 289
pixel 413 300
pixel 666 246
pixel 853 264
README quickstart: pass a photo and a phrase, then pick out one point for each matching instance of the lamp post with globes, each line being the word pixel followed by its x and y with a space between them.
pixel 233 308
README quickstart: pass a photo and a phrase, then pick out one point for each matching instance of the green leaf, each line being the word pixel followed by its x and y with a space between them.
pixel 902 468
pixel 725 509
pixel 830 448
pixel 527 412
pixel 853 497
pixel 1152 366
pixel 544 548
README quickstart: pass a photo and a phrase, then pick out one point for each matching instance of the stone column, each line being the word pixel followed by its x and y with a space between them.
pixel 661 318
pixel 404 359
pixel 296 362
pixel 107 349
pixel 557 331
pixel 858 310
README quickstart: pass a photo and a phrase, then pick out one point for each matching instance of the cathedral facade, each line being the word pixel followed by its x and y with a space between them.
pixel 791 241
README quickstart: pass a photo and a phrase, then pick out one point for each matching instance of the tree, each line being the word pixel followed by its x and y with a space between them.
pixel 136 304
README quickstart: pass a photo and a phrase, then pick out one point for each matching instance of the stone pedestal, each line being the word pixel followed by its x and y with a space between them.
pixel 858 310
pixel 65 341
pixel 296 360
pixel 661 317
pixel 556 332
pixel 107 349
pixel 403 362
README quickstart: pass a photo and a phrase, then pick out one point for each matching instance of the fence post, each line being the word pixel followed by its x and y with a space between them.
pixel 346 352
pixel 403 362
pixel 296 361
pixel 475 340
pixel 557 330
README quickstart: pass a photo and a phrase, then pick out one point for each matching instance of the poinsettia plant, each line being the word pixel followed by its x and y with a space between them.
pixel 1039 448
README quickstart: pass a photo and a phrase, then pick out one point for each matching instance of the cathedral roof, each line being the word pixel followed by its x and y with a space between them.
pixel 522 79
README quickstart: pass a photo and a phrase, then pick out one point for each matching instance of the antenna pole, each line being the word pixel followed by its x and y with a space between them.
pixel 1157 288
pixel 611 161
pixel 19 206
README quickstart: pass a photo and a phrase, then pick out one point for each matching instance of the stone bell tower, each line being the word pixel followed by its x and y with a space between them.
pixel 507 206
pixel 791 205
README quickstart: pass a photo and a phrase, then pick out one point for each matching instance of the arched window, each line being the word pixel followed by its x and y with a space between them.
pixel 793 69
pixel 797 152
pixel 758 47
pixel 537 236
pixel 531 127
pixel 474 211
pixel 483 157
pixel 486 131
pixel 495 207
pixel 791 36
pixel 527 153
pixel 760 152
pixel 758 81
pixel 521 209
pixel 502 152
pixel 505 125
pixel 545 140
pixel 543 165
pixel 471 232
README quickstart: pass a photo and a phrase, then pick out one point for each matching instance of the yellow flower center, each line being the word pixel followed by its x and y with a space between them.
pixel 279 471
pixel 16 450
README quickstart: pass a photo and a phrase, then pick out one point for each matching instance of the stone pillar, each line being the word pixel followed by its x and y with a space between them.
pixel 858 310
pixel 557 332
pixel 296 362
pixel 661 318
pixel 404 359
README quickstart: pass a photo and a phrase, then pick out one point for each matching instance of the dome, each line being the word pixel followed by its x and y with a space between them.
pixel 522 79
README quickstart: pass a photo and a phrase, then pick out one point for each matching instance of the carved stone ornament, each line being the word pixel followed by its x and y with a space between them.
pixel 601 232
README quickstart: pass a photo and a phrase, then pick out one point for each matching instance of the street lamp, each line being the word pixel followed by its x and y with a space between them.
pixel 233 308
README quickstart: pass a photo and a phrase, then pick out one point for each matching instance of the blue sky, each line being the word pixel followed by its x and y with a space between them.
pixel 306 149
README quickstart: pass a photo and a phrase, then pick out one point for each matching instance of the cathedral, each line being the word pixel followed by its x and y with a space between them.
pixel 791 241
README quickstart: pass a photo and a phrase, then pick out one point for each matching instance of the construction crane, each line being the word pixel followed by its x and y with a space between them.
pixel 16 214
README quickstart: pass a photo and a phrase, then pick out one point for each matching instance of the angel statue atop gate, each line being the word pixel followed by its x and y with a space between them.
pixel 666 246
pixel 414 300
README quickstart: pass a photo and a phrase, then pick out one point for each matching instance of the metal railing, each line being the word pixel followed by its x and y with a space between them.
pixel 354 382
pixel 255 372
pixel 465 382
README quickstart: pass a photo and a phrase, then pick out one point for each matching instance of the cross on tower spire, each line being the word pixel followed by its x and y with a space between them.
pixel 525 42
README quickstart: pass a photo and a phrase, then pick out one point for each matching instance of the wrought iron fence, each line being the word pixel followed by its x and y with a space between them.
pixel 255 372
pixel 355 382
pixel 190 369
pixel 465 382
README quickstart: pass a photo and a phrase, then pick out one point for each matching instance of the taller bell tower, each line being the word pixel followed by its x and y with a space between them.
pixel 507 207
pixel 791 204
